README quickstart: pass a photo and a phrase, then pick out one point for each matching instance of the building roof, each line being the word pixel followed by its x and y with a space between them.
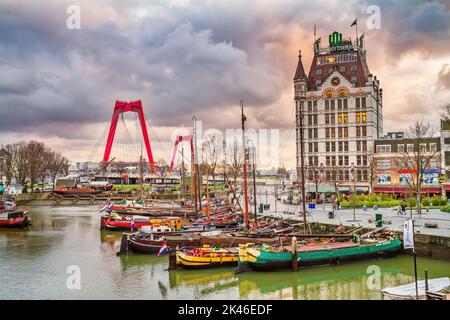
pixel 300 72
pixel 326 58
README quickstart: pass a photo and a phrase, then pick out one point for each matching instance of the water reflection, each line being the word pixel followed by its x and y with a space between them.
pixel 33 265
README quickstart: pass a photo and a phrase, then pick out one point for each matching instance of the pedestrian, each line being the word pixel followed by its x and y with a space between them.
pixel 337 204
pixel 403 207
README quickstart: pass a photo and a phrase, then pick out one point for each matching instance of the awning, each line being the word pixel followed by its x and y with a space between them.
pixel 405 190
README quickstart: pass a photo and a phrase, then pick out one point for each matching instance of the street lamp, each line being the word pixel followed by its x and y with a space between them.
pixel 352 177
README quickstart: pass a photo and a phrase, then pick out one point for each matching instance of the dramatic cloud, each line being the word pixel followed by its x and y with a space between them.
pixel 185 58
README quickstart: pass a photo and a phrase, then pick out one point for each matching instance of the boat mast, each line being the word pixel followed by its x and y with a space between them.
pixel 183 175
pixel 193 172
pixel 254 181
pixel 207 193
pixel 243 119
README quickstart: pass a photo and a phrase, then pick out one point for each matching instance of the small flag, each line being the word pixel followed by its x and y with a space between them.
pixel 132 224
pixel 106 206
pixel 163 248
pixel 408 234
pixel 354 23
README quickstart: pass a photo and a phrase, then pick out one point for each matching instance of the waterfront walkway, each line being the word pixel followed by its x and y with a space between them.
pixel 345 216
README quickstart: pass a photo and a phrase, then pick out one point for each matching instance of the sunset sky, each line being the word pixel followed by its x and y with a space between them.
pixel 185 58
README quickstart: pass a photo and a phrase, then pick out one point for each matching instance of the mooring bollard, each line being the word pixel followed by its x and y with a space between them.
pixel 294 254
pixel 172 259
pixel 123 245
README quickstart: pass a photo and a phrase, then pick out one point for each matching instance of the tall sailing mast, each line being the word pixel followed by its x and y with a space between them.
pixel 243 119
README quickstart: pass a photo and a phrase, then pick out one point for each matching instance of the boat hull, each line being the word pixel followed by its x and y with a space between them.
pixel 193 262
pixel 256 259
pixel 21 222
pixel 147 246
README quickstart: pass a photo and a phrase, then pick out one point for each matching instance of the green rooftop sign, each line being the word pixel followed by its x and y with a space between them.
pixel 335 39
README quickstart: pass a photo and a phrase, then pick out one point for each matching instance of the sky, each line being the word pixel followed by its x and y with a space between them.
pixel 184 58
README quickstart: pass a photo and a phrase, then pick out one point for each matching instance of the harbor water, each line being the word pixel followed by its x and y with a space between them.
pixel 63 242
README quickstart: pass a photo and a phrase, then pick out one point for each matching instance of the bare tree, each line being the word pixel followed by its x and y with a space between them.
pixel 212 150
pixel 38 161
pixel 58 165
pixel 445 112
pixel 416 158
pixel 372 162
pixel 315 175
pixel 234 161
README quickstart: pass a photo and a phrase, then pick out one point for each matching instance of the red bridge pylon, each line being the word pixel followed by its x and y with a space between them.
pixel 122 107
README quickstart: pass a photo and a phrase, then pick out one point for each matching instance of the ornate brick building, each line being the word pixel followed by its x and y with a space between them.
pixel 340 105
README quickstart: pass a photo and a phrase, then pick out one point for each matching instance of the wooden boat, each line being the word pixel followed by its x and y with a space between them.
pixel 148 244
pixel 71 192
pixel 15 219
pixel 125 223
pixel 408 291
pixel 7 204
pixel 206 257
pixel 266 258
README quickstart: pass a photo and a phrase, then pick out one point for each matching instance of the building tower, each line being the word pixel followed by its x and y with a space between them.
pixel 341 111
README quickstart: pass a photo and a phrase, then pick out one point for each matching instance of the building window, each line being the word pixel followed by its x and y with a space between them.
pixel 332 104
pixel 353 79
pixel 318 83
pixel 341 160
pixel 339 117
pixel 410 147
pixel 333 118
pixel 332 133
pixel 340 134
pixel 354 68
pixel 384 148
pixel 363 102
pixel 340 147
pixel 315 105
pixel 405 179
pixel 346 160
pixel 384 179
pixel 363 117
pixel 432 163
pixel 345 103
pixel 339 103
pixel 342 68
pixel 364 131
pixel 330 70
pixel 346 132
pixel 327 104
pixel 358 102
pixel 345 117
pixel 327 132
pixel 346 146
pixel 423 147
pixel 327 118
pixel 401 148
pixel 384 164
pixel 433 147
pixel 318 71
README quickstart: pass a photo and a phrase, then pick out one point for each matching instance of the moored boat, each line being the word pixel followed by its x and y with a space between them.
pixel 266 257
pixel 115 222
pixel 15 219
pixel 206 257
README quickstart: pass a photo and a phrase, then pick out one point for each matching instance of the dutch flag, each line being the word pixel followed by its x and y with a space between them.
pixel 163 248
pixel 132 224
pixel 107 205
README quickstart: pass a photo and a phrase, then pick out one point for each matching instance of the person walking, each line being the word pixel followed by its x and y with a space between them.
pixel 403 207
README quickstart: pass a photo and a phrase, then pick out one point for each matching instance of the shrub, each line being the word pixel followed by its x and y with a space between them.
pixel 446 208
